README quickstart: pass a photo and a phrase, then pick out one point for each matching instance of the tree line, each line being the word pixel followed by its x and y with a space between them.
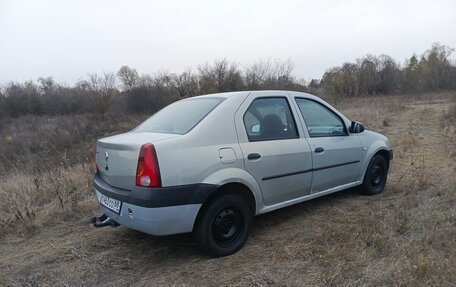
pixel 141 93
pixel 128 91
pixel 433 70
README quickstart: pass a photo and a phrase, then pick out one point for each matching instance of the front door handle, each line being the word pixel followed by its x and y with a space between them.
pixel 253 156
pixel 319 150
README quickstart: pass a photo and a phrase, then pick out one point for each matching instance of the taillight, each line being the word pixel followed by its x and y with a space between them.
pixel 148 172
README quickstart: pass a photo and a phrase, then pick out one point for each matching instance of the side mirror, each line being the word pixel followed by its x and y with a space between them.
pixel 356 127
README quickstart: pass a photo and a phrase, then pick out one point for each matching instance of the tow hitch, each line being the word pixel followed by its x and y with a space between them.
pixel 103 220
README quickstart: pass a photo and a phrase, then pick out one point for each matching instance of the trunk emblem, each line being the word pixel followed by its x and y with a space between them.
pixel 106 155
pixel 106 167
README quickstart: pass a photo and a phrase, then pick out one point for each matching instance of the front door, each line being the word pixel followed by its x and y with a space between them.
pixel 336 154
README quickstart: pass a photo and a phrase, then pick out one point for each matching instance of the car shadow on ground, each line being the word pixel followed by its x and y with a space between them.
pixel 158 249
pixel 268 222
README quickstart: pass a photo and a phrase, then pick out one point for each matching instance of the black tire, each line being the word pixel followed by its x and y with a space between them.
pixel 375 177
pixel 223 226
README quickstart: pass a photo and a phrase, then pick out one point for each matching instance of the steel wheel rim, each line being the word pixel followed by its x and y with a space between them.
pixel 377 175
pixel 227 226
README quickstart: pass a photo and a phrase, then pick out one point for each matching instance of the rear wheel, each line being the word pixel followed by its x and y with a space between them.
pixel 375 177
pixel 224 225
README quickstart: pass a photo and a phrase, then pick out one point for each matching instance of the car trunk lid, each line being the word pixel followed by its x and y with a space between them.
pixel 117 156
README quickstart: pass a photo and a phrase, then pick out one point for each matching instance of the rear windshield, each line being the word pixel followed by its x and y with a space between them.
pixel 179 117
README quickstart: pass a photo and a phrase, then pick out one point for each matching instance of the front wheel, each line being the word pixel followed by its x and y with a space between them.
pixel 224 225
pixel 375 177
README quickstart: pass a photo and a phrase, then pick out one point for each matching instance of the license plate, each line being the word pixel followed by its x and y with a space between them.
pixel 110 203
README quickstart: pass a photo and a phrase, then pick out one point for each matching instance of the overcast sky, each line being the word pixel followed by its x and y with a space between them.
pixel 67 39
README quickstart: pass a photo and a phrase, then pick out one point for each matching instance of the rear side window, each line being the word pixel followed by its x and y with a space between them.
pixel 320 121
pixel 269 119
pixel 179 117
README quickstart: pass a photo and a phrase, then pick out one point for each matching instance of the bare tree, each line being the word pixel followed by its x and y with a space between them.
pixel 256 74
pixel 436 69
pixel 46 85
pixel 368 77
pixel 128 76
pixel 411 74
pixel 270 74
pixel 222 76
pixel 186 84
pixel 103 89
pixel 389 73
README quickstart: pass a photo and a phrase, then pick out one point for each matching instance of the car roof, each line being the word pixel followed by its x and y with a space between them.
pixel 245 93
pixel 224 95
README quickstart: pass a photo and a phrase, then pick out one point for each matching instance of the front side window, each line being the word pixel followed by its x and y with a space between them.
pixel 179 117
pixel 320 121
pixel 269 119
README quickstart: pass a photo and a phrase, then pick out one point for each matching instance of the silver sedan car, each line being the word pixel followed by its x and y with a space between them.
pixel 208 164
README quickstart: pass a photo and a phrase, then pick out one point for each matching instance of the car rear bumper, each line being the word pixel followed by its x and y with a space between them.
pixel 155 220
pixel 156 211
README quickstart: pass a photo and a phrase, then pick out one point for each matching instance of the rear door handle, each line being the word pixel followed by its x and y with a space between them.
pixel 319 150
pixel 253 156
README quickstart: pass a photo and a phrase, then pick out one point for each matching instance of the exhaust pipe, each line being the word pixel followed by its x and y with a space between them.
pixel 103 221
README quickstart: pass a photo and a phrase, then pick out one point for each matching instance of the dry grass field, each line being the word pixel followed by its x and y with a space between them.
pixel 403 237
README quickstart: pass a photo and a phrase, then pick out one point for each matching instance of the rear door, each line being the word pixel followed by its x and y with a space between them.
pixel 273 151
pixel 336 154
